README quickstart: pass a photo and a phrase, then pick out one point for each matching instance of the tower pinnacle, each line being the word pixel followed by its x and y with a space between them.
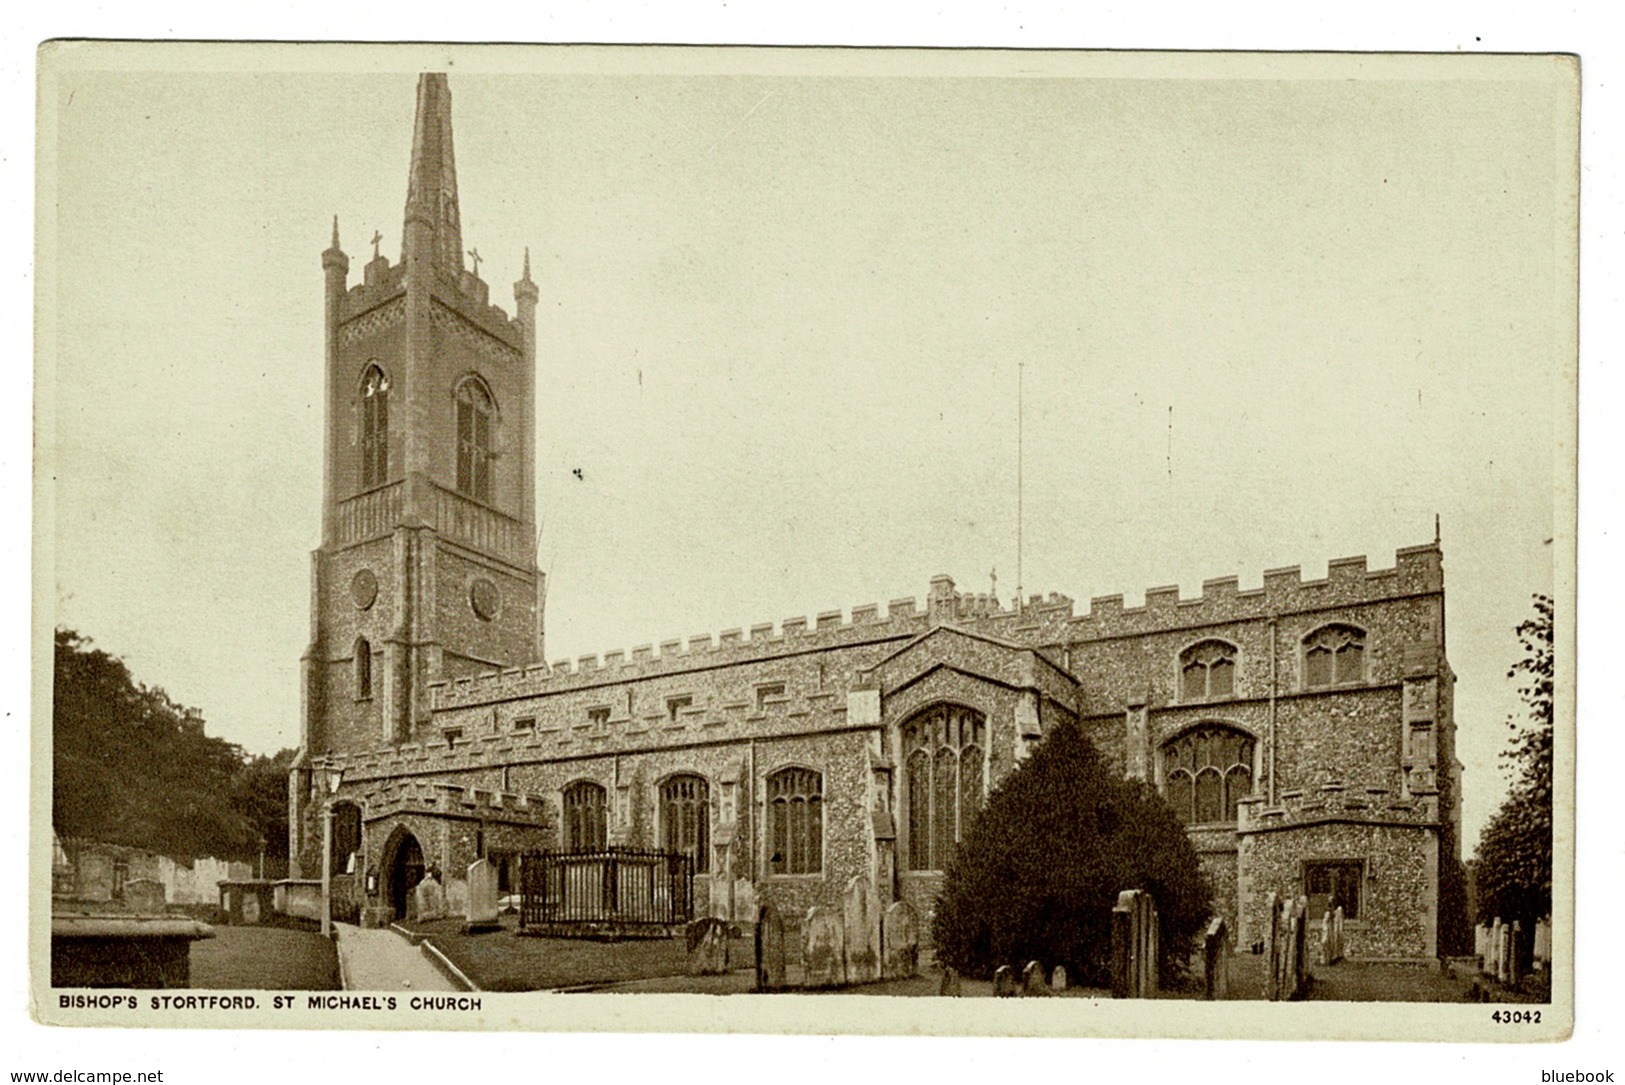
pixel 431 193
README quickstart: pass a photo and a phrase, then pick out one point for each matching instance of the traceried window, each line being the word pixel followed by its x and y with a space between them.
pixel 586 808
pixel 1333 655
pixel 943 751
pixel 685 818
pixel 1333 884
pixel 1207 671
pixel 1206 772
pixel 474 413
pixel 346 835
pixel 795 821
pixel 363 669
pixel 374 428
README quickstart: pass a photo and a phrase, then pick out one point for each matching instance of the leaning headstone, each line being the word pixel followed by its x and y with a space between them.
pixel 430 898
pixel 1057 980
pixel 144 895
pixel 860 911
pixel 950 983
pixel 1123 944
pixel 771 973
pixel 1032 981
pixel 481 910
pixel 1515 953
pixel 1216 961
pixel 1272 948
pixel 707 947
pixel 823 952
pixel 1004 982
pixel 900 938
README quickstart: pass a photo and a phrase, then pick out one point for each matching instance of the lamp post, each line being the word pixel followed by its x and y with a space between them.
pixel 332 777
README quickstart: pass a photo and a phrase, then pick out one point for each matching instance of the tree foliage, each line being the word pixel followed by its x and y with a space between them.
pixel 1514 859
pixel 1041 866
pixel 130 766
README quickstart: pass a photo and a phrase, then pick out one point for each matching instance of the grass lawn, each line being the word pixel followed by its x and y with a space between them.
pixel 505 961
pixel 265 958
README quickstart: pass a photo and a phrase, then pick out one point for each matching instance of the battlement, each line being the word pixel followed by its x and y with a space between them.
pixel 1045 619
pixel 1299 807
pixel 465 294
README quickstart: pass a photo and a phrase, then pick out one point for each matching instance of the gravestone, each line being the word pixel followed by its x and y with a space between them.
pixel 1272 948
pixel 1032 981
pixel 1216 961
pixel 824 955
pixel 1004 982
pixel 1134 945
pixel 707 947
pixel 481 910
pixel 950 983
pixel 860 912
pixel 770 949
pixel 900 937
pixel 1515 953
pixel 144 896
pixel 430 899
pixel 1057 980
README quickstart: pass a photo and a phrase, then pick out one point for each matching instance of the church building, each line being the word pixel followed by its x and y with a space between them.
pixel 1302 730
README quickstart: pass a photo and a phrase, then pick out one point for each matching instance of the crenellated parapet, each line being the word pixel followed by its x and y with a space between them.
pixel 1336 802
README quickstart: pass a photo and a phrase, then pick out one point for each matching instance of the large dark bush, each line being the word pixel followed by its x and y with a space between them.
pixel 1041 866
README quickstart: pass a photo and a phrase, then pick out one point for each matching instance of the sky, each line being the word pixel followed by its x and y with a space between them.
pixel 1258 318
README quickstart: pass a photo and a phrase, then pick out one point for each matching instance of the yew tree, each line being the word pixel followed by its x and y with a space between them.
pixel 1041 865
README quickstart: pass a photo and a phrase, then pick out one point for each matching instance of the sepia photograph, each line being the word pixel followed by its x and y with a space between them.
pixel 660 539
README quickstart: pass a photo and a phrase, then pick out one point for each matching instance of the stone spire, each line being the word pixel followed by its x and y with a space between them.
pixel 431 192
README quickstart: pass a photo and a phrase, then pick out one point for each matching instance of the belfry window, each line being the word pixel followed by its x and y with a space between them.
pixel 1206 772
pixel 1207 671
pixel 943 751
pixel 685 816
pixel 474 411
pixel 795 821
pixel 585 817
pixel 374 428
pixel 1333 655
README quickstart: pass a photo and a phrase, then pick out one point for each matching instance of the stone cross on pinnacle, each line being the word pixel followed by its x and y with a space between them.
pixel 474 254
pixel 376 238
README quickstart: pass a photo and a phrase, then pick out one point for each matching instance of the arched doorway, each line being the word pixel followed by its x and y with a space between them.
pixel 405 867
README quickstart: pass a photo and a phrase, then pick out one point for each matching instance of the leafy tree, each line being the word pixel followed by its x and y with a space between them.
pixel 1041 867
pixel 1514 860
pixel 130 766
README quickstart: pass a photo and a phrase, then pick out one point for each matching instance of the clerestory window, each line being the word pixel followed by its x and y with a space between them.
pixel 1207 671
pixel 1333 655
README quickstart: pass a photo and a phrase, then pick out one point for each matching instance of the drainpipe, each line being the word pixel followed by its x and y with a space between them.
pixel 1274 686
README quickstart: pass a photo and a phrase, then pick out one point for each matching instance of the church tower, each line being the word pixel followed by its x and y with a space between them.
pixel 427 563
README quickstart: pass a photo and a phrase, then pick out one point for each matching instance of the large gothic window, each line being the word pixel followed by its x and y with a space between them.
pixel 474 412
pixel 1333 655
pixel 374 428
pixel 1207 670
pixel 1206 772
pixel 943 751
pixel 585 817
pixel 685 818
pixel 795 821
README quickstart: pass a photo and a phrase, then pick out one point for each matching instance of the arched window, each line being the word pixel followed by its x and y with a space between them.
pixel 374 428
pixel 363 669
pixel 346 835
pixel 685 818
pixel 585 822
pixel 1333 655
pixel 795 821
pixel 1206 772
pixel 1207 671
pixel 943 752
pixel 474 411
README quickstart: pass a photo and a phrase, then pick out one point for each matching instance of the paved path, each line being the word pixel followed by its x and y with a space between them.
pixel 381 960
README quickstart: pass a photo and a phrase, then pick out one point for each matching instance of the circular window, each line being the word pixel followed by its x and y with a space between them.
pixel 364 588
pixel 483 597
